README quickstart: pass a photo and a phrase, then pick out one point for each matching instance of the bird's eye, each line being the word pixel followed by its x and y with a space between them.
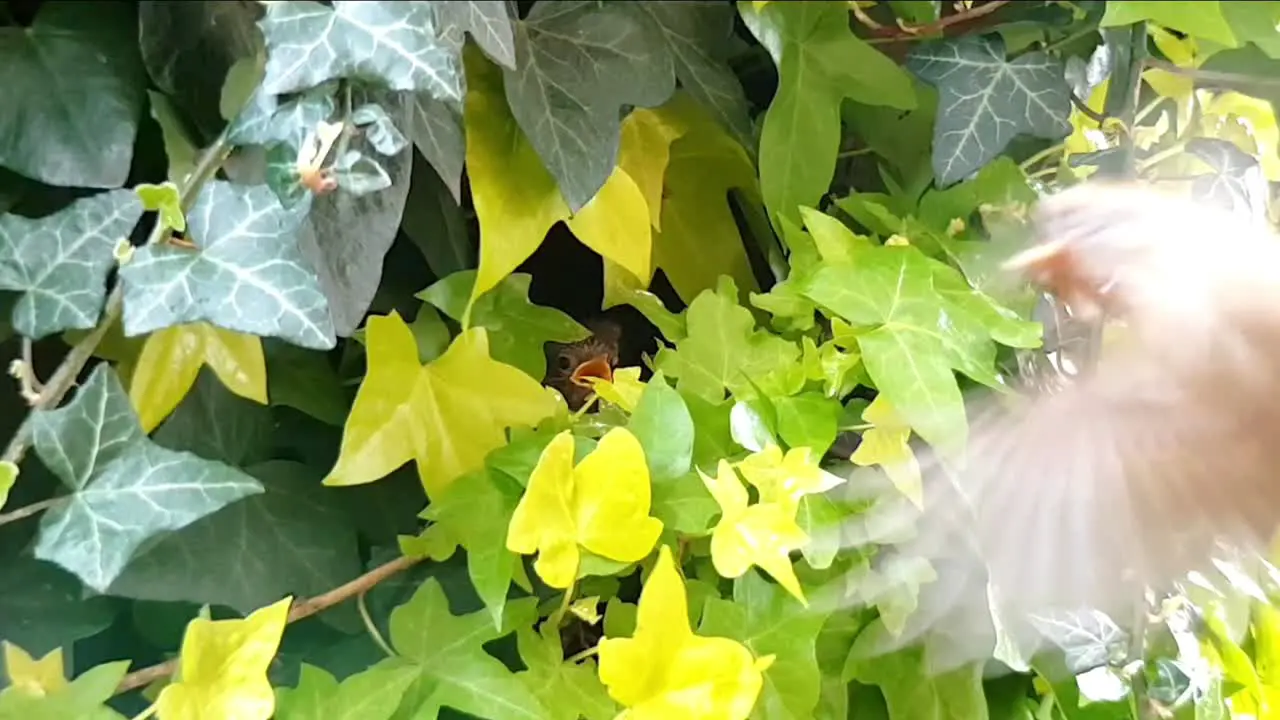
pixel 564 362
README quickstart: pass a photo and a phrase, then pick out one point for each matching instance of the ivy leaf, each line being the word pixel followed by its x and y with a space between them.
pixel 724 350
pixel 266 121
pixel 125 488
pixel 216 424
pixel 566 96
pixel 763 534
pixel 372 694
pixel 433 220
pixel 770 622
pixel 437 131
pixel 517 200
pixel 224 666
pixel 699 239
pixel 475 511
pixel 518 328
pixel 888 294
pixel 29 675
pixel 1202 20
pixel 448 652
pixel 885 444
pixel 567 690
pixel 8 478
pixel 171 360
pixel 1236 183
pixel 393 43
pixel 306 381
pixel 985 101
pixel 84 697
pixel 912 689
pixel 1089 639
pixel 664 427
pixel 42 606
pixel 488 22
pixel 247 274
pixel 664 670
pixel 601 505
pixel 697 34
pixel 820 63
pixel 81 81
pixel 60 262
pixel 219 558
pixel 446 415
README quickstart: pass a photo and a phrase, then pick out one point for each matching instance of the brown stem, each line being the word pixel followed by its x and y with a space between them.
pixel 29 510
pixel 907 32
pixel 301 609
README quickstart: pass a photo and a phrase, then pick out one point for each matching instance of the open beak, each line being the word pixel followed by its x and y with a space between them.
pixel 596 367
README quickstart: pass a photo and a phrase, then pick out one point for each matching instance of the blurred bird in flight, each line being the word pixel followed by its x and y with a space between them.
pixel 1129 476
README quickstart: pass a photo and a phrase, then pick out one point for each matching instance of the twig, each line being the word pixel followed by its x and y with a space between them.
pixel 31 385
pixel 908 32
pixel 301 609
pixel 29 510
pixel 65 376
pixel 862 17
pixel 1088 111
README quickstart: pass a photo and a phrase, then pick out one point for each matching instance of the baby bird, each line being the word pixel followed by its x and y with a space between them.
pixel 1131 475
pixel 570 364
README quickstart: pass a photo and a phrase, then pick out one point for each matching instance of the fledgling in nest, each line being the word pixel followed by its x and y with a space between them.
pixel 569 365
pixel 1131 475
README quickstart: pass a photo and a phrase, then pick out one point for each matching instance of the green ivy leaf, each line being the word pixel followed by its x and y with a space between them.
pixel 265 120
pixel 437 132
pixel 219 559
pixel 566 95
pixel 820 63
pixel 488 22
pixel 664 427
pixel 125 488
pixel 906 347
pixel 60 262
pixel 724 350
pixel 1253 22
pixel 475 512
pixel 247 276
pixel 1201 19
pixel 696 34
pixel 373 694
pixel 985 101
pixel 80 82
pixel 83 697
pixel 567 690
pixel 394 43
pixel 808 420
pixel 449 654
pixel 1089 638
pixel 42 606
pixel 915 691
pixel 518 329
pixel 768 620
pixel 306 381
pixel 216 424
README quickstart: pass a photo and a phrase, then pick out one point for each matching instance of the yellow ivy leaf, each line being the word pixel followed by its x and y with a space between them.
pixel 624 390
pixel 8 478
pixel 601 505
pixel 222 670
pixel 645 150
pixel 446 415
pixel 763 534
pixel 665 671
pixel 885 444
pixel 785 479
pixel 171 359
pixel 517 200
pixel 34 677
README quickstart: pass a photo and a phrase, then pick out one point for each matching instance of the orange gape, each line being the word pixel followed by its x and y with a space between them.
pixel 1140 470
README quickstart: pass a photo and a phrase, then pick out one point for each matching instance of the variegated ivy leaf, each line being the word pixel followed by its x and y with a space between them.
pixel 394 43
pixel 125 488
pixel 488 22
pixel 246 274
pixel 266 121
pixel 60 262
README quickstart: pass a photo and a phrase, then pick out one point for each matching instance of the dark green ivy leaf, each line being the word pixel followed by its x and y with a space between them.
pixel 43 607
pixel 397 44
pixel 73 84
pixel 488 22
pixel 566 94
pixel 985 101
pixel 125 488
pixel 60 262
pixel 437 132
pixel 248 275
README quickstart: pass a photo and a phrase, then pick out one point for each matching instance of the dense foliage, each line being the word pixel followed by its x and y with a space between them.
pixel 295 295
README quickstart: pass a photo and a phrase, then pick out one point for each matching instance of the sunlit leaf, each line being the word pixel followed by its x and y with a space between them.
pixel 885 444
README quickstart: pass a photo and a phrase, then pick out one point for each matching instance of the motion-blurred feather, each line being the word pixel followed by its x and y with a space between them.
pixel 1126 477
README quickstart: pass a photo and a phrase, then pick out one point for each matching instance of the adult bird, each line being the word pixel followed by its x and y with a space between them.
pixel 1139 470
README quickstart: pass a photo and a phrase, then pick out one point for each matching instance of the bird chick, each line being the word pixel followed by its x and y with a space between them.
pixel 570 365
pixel 1130 476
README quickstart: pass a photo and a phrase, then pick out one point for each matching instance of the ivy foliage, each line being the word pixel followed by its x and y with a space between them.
pixel 296 296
